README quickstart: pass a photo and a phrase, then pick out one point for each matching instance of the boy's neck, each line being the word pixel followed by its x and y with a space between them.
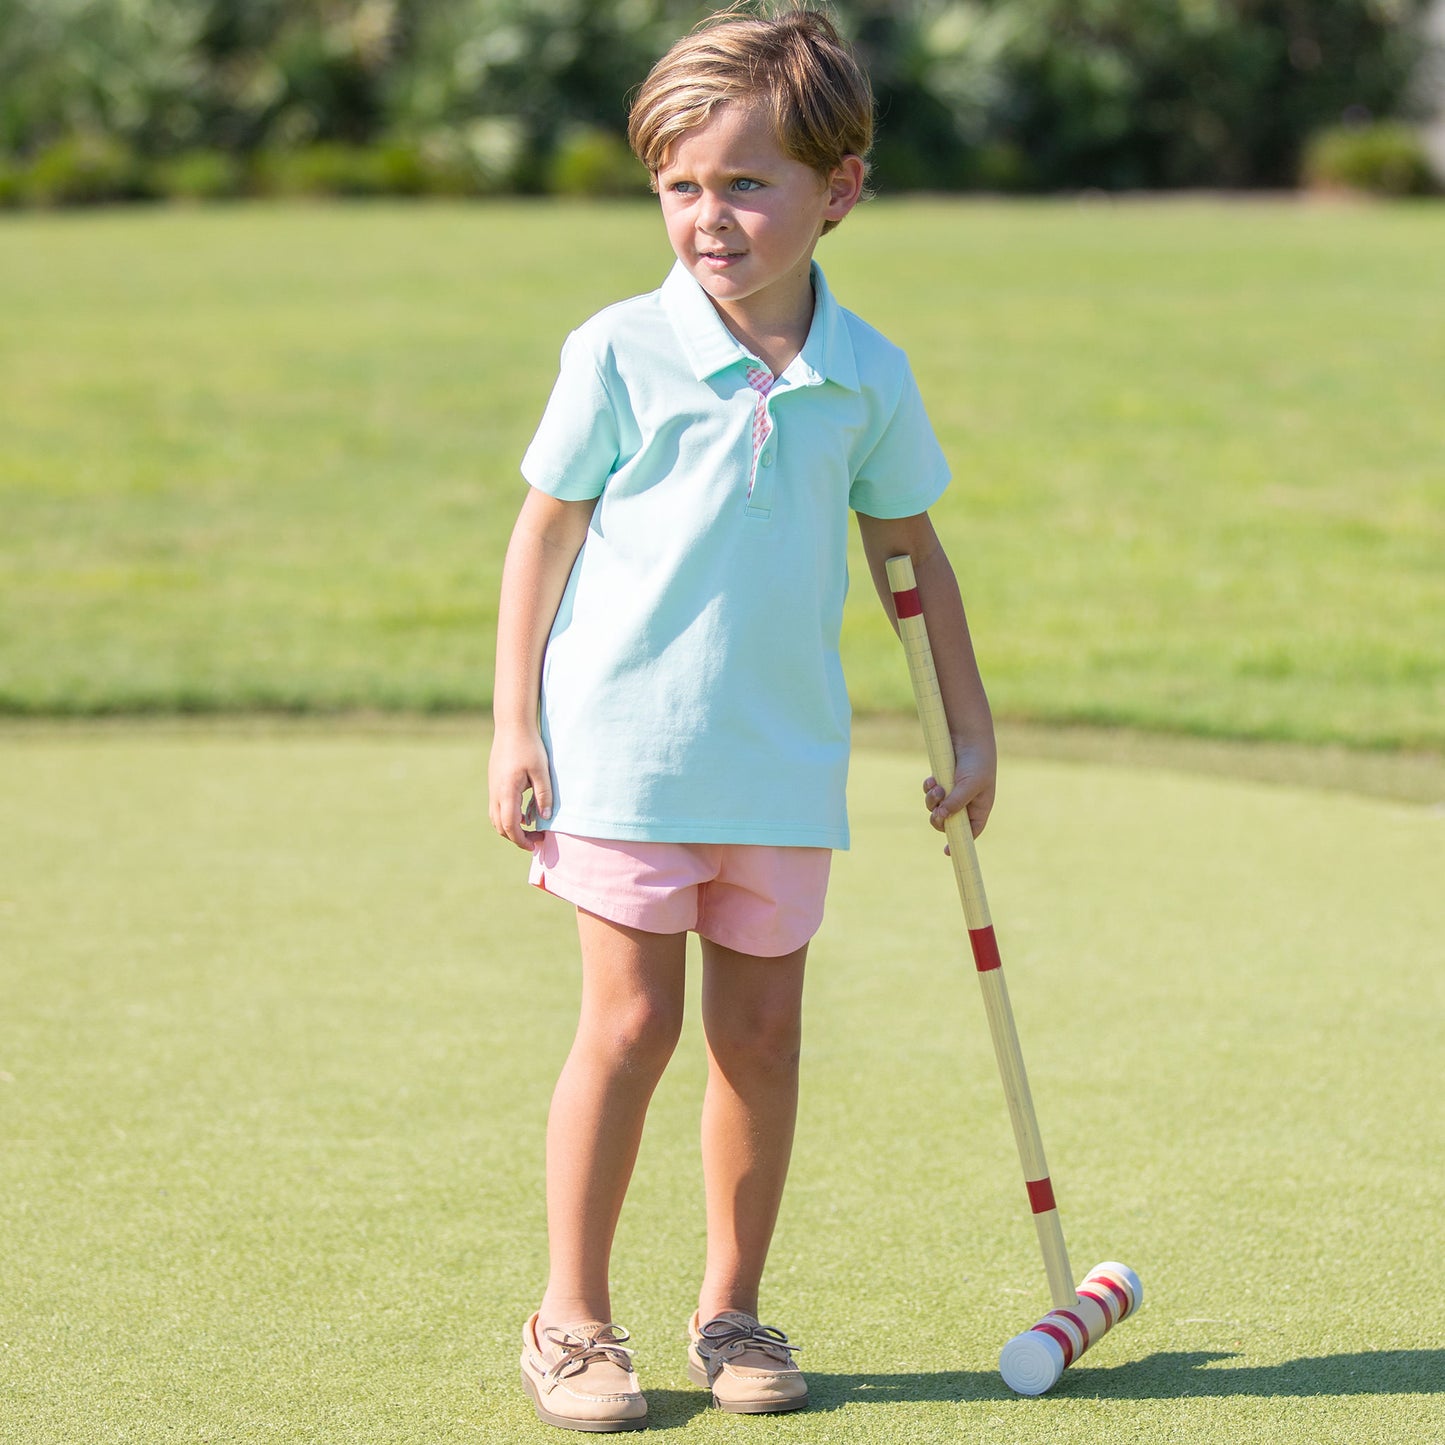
pixel 774 334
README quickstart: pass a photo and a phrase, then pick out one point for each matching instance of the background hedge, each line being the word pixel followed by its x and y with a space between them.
pixel 120 98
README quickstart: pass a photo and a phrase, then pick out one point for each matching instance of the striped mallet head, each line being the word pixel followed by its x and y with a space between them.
pixel 1033 1361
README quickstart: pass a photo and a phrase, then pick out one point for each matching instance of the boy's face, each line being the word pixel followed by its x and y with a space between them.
pixel 743 216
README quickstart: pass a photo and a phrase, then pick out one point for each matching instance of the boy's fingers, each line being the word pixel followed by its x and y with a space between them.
pixel 510 826
pixel 933 794
pixel 969 794
pixel 512 813
pixel 946 806
pixel 542 795
pixel 517 833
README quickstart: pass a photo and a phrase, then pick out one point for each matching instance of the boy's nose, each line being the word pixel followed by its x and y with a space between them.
pixel 716 214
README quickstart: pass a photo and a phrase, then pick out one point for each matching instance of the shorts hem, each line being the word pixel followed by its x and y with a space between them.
pixel 639 918
pixel 770 950
pixel 608 909
pixel 767 908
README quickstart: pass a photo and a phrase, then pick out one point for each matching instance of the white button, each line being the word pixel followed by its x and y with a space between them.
pixel 767 459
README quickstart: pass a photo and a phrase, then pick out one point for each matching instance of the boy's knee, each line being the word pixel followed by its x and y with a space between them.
pixel 641 1035
pixel 761 1041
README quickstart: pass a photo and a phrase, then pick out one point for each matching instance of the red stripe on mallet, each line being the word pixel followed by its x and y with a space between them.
pixel 1078 1324
pixel 985 948
pixel 1121 1298
pixel 907 604
pixel 1060 1337
pixel 1041 1195
pixel 1103 1303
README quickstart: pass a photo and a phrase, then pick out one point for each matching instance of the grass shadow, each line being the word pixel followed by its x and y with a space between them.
pixel 1164 1376
pixel 669 1409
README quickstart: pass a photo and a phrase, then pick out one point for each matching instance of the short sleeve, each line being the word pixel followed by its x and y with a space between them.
pixel 575 448
pixel 905 472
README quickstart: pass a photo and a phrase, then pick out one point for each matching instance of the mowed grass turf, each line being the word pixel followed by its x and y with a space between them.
pixel 280 1022
pixel 266 458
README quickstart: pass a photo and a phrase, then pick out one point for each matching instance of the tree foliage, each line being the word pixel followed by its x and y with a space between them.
pixel 1029 94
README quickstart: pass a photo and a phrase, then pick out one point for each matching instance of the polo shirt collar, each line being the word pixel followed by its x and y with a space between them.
pixel 709 347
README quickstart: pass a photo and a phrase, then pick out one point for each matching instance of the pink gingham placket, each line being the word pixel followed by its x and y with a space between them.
pixel 761 380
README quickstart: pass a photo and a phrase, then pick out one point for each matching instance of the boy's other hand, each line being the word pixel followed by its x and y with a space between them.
pixel 518 766
pixel 973 789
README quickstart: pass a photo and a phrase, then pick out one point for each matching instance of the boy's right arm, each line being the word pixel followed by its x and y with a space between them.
pixel 545 543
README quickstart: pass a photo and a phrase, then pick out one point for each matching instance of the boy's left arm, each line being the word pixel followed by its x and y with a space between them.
pixel 964 700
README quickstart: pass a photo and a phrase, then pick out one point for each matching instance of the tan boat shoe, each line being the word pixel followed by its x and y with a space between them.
pixel 748 1367
pixel 580 1377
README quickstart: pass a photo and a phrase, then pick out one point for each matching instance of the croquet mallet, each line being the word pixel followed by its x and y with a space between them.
pixel 1033 1361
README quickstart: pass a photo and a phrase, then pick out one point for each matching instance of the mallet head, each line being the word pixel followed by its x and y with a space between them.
pixel 1033 1361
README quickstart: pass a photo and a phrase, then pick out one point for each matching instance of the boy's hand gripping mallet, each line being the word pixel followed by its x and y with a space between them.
pixel 1033 1361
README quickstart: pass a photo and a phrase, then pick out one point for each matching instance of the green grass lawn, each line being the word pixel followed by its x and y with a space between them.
pixel 279 1018
pixel 280 1021
pixel 267 457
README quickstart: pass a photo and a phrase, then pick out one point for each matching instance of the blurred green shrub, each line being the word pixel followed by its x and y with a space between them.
pixel 326 170
pixel 591 162
pixel 400 170
pixel 1386 158
pixel 199 175
pixel 397 168
pixel 83 170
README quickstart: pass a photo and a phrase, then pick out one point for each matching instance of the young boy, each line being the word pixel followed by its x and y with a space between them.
pixel 668 681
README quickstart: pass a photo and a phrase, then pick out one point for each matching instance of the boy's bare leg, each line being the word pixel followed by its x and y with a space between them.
pixel 752 1017
pixel 632 1006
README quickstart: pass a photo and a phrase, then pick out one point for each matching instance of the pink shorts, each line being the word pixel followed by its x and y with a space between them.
pixel 750 897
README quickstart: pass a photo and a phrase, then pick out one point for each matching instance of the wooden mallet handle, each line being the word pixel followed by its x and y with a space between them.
pixel 941 758
pixel 1033 1361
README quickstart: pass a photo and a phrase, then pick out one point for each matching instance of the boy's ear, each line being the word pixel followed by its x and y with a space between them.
pixel 845 188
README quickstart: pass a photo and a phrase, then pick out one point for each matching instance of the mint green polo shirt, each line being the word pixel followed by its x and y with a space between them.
pixel 692 689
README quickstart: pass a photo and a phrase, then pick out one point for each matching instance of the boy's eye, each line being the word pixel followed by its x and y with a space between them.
pixel 692 188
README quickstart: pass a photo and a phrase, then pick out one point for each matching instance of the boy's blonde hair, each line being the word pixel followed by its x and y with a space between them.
pixel 795 65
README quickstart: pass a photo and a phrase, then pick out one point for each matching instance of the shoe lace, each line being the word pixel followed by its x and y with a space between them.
pixel 581 1349
pixel 722 1336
